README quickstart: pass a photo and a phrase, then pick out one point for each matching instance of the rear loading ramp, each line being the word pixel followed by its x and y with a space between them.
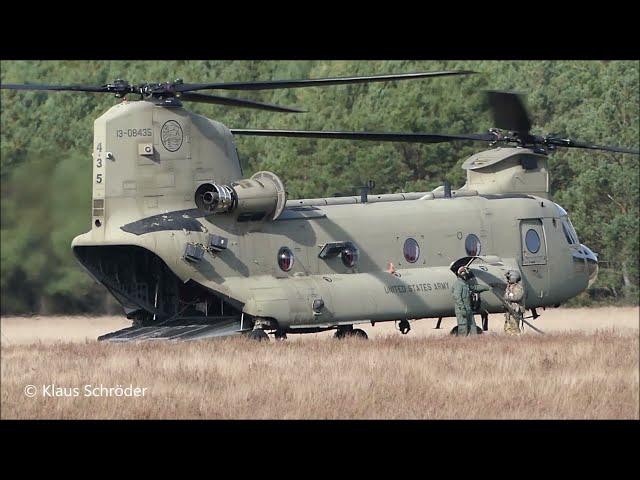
pixel 224 328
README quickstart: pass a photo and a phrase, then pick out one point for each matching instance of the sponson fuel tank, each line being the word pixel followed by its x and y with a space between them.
pixel 328 300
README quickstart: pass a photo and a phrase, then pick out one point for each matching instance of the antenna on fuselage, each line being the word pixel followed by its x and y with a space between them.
pixel 447 189
pixel 365 190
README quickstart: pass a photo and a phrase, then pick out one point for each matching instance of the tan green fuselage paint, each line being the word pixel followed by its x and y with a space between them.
pixel 149 160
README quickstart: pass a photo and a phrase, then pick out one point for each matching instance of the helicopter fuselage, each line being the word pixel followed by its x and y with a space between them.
pixel 161 257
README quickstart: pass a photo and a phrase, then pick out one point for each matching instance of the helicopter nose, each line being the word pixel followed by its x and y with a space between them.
pixel 591 263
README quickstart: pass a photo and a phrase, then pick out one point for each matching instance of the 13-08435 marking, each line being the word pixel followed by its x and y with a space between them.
pixel 133 132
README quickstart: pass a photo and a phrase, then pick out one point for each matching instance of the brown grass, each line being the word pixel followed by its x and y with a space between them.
pixel 574 375
pixel 48 330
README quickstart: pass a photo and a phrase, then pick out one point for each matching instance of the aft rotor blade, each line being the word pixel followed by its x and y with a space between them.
pixel 509 111
pixel 567 142
pixel 62 88
pixel 236 102
pixel 314 82
pixel 370 136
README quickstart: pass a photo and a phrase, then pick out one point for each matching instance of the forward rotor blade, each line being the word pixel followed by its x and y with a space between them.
pixel 567 142
pixel 509 112
pixel 370 136
pixel 313 82
pixel 236 102
pixel 63 88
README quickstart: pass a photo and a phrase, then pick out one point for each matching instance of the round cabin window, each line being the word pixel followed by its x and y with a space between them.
pixel 285 259
pixel 411 250
pixel 472 245
pixel 349 256
pixel 532 240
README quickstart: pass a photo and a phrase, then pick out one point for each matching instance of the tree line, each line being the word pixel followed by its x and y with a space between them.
pixel 46 141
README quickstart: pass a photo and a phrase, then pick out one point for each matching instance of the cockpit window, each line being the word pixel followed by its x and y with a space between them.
pixel 563 212
pixel 567 228
pixel 566 233
pixel 569 232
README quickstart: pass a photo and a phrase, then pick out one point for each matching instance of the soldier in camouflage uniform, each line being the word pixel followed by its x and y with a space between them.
pixel 514 295
pixel 462 290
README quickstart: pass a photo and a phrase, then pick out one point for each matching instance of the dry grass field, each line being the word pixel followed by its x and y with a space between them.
pixel 585 367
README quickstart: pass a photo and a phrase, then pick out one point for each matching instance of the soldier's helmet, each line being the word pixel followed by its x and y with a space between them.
pixel 513 276
pixel 463 272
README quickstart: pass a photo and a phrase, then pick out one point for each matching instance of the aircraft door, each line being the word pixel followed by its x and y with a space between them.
pixel 534 259
pixel 534 247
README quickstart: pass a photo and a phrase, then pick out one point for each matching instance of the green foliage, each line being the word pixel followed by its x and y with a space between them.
pixel 46 142
pixel 44 205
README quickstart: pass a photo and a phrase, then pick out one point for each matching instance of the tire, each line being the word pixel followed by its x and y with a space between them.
pixel 355 333
pixel 358 333
pixel 343 332
pixel 258 335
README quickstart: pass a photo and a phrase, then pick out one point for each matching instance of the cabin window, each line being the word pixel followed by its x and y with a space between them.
pixel 411 250
pixel 285 259
pixel 349 255
pixel 472 245
pixel 532 240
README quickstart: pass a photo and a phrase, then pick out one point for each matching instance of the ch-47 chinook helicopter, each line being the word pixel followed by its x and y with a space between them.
pixel 191 249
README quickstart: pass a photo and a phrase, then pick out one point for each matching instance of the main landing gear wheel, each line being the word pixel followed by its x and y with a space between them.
pixel 259 335
pixel 280 335
pixel 404 327
pixel 361 334
pixel 352 333
pixel 454 330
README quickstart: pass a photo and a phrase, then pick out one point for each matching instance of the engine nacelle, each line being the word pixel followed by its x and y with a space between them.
pixel 261 196
pixel 507 170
